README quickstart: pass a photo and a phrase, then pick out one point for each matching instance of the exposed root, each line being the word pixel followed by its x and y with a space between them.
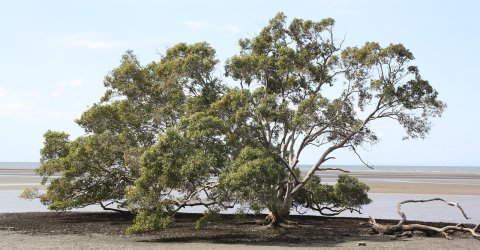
pixel 274 226
pixel 290 222
pixel 253 222
pixel 276 221
pixel 273 219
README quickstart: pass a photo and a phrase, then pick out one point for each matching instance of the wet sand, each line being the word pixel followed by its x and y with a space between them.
pixel 451 183
pixel 15 240
pixel 76 230
pixel 19 179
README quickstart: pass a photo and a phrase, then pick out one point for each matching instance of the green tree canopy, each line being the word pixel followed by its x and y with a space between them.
pixel 171 134
pixel 140 103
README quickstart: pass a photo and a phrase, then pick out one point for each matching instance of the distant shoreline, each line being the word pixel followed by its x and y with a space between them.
pixel 350 167
pixel 451 183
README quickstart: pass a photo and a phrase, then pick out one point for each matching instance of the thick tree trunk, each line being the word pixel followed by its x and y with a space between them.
pixel 274 219
pixel 280 213
pixel 277 216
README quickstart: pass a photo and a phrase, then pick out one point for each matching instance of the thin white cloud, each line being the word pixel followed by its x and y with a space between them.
pixel 196 24
pixel 61 87
pixel 337 1
pixel 203 25
pixel 18 104
pixel 233 29
pixel 89 40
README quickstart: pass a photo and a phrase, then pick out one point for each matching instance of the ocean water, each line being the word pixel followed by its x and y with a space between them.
pixel 19 165
pixel 382 207
pixel 400 168
pixel 388 168
pixel 11 203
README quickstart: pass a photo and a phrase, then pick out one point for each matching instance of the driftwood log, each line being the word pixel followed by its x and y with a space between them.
pixel 402 229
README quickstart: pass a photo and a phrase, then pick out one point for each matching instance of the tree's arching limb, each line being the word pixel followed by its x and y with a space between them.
pixel 401 228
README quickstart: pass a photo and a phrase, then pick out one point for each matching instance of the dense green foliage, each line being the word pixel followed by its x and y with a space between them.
pixel 170 134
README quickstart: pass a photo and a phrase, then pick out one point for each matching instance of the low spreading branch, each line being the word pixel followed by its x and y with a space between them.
pixel 106 208
pixel 332 211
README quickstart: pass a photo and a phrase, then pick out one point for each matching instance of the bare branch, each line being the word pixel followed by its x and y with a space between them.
pixel 332 211
pixel 333 169
pixel 106 208
pixel 341 144
pixel 404 218
pixel 402 228
pixel 287 166
pixel 359 157
pixel 188 200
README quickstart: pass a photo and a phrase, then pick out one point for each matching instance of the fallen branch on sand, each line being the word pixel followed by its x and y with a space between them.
pixel 402 229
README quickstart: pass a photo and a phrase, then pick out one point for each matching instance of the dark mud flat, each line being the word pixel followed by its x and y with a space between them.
pixel 227 229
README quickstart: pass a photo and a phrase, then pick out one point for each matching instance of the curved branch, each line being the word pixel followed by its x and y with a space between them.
pixel 359 157
pixel 188 200
pixel 106 208
pixel 333 211
pixel 287 166
pixel 404 217
pixel 401 228
pixel 333 169
pixel 341 144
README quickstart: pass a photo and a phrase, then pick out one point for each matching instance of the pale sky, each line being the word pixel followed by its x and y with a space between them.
pixel 55 54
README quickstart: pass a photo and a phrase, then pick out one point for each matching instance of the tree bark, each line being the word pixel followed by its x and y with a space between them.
pixel 280 213
pixel 401 228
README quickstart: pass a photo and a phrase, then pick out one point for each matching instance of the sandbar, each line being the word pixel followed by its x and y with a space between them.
pixel 451 183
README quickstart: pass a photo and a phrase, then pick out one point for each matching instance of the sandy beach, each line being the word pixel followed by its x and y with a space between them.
pixel 450 183
pixel 19 179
